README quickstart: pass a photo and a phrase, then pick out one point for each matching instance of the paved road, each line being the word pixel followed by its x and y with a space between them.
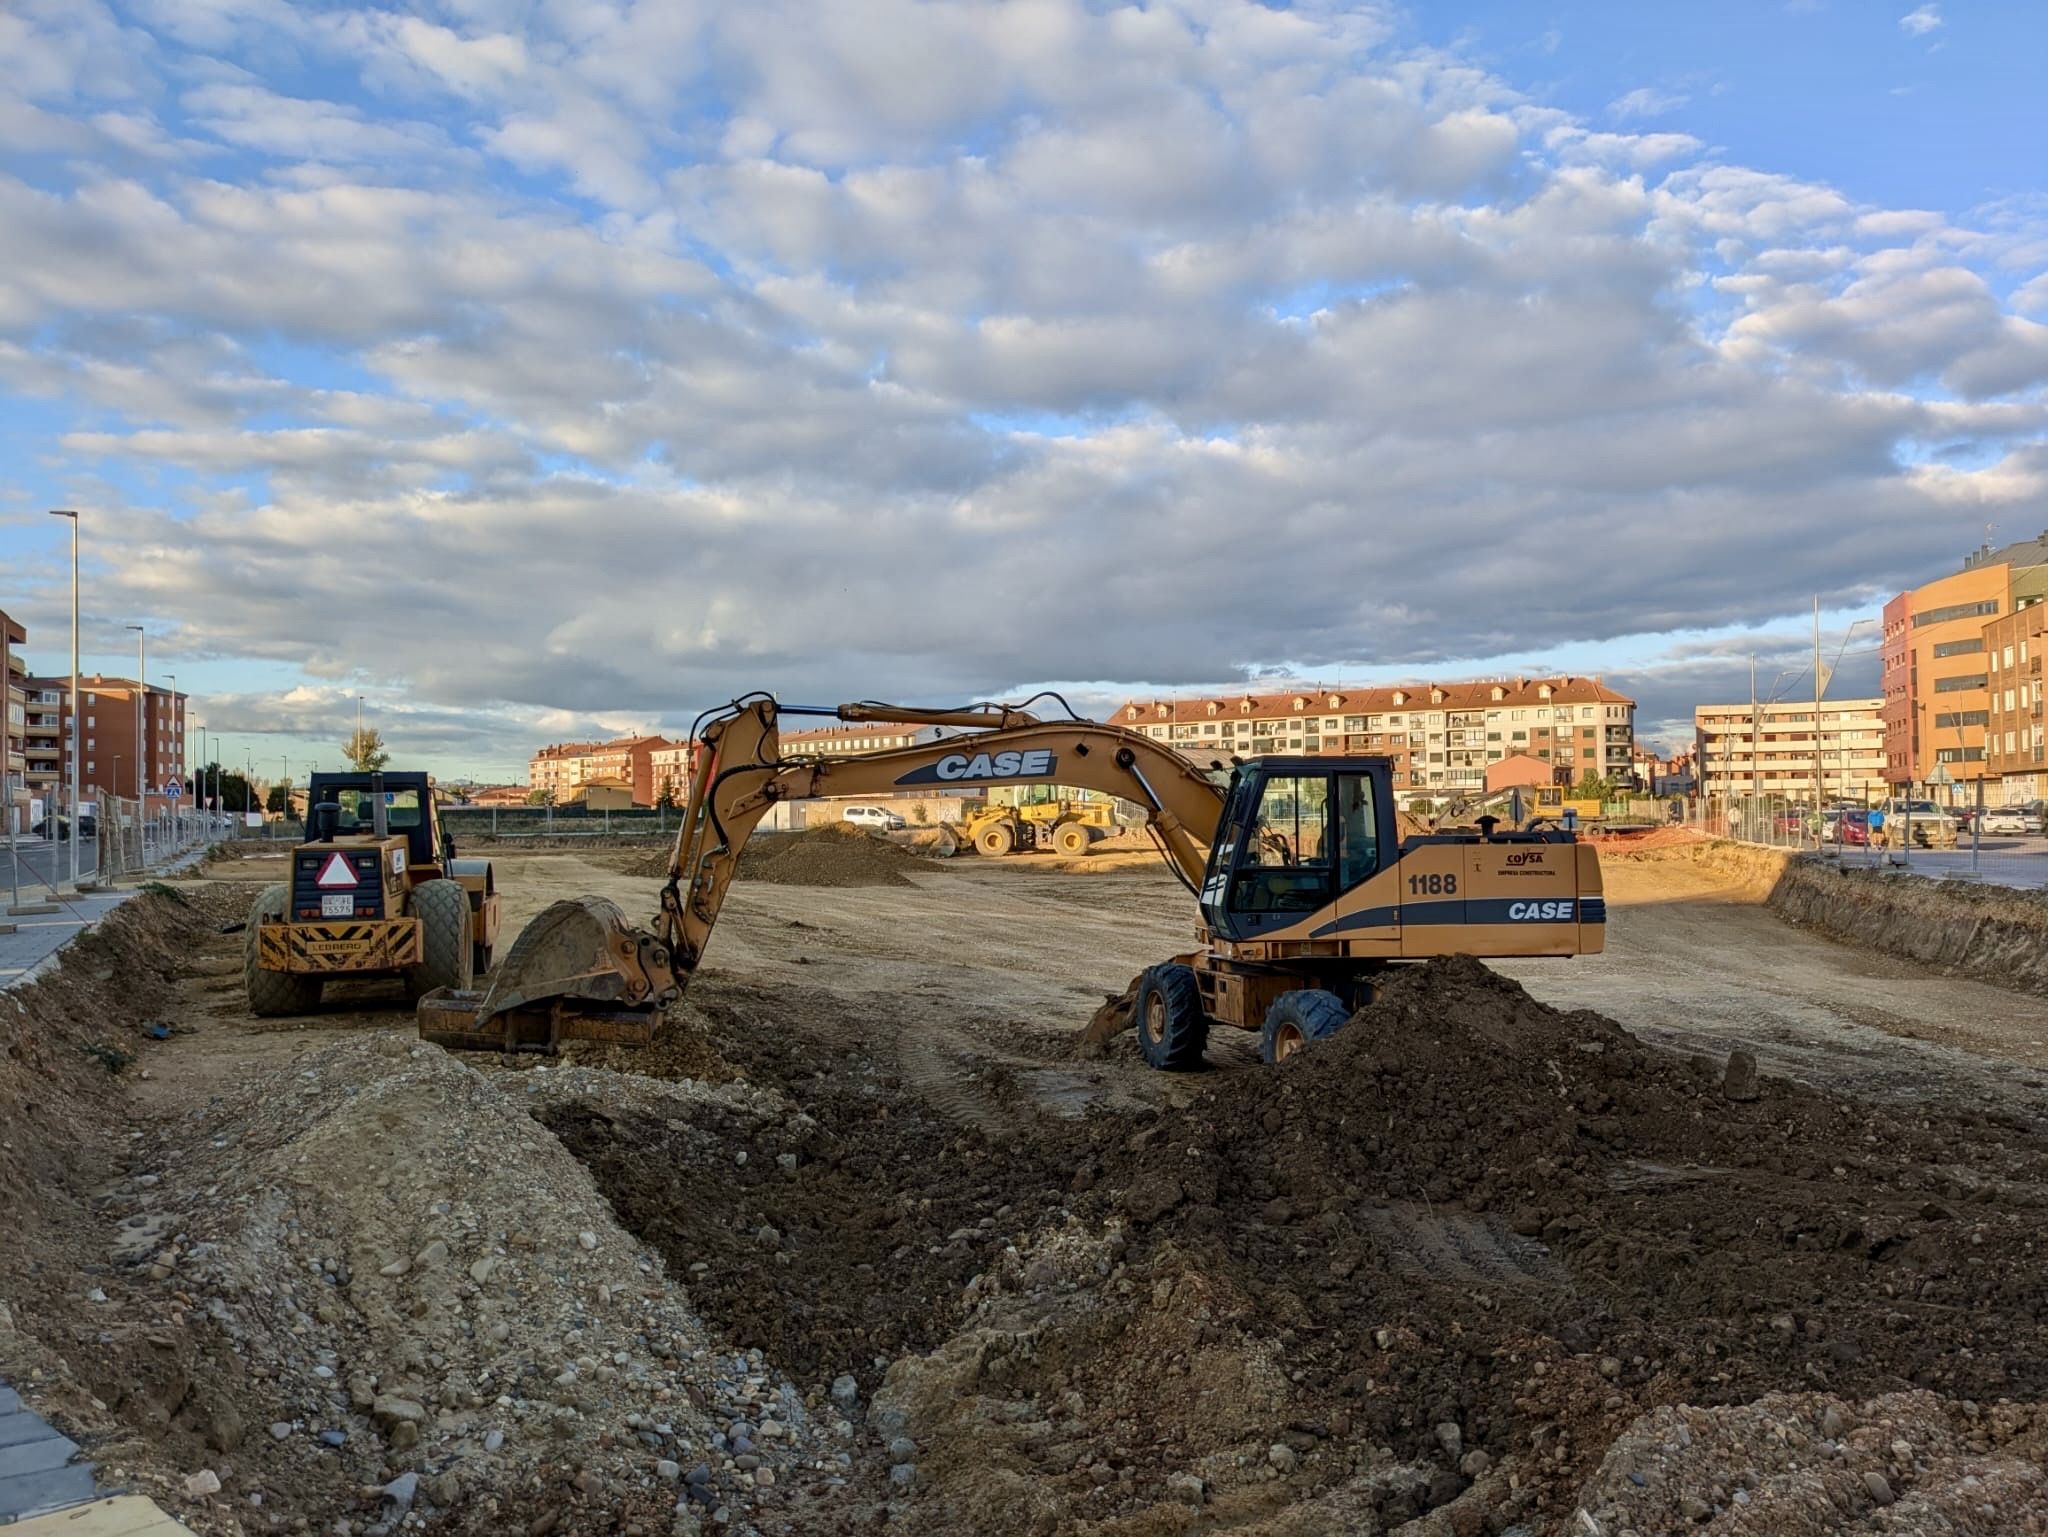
pixel 42 861
pixel 1999 861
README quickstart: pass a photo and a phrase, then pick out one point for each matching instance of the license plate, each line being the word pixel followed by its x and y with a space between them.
pixel 343 906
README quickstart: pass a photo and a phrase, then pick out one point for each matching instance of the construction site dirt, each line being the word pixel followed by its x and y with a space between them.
pixel 1512 1253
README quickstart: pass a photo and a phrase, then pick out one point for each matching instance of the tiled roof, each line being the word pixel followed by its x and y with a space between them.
pixel 1320 699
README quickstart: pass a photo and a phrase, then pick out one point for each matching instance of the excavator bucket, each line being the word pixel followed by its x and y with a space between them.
pixel 579 971
pixel 948 843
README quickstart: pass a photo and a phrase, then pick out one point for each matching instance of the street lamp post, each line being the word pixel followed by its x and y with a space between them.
pixel 178 733
pixel 357 753
pixel 77 824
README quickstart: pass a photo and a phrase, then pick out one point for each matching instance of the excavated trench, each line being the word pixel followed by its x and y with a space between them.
pixel 1469 1210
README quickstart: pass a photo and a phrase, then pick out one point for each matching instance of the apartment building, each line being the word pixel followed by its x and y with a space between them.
pixel 2014 755
pixel 1937 683
pixel 1440 736
pixel 14 791
pixel 111 762
pixel 1774 748
pixel 563 769
pixel 671 764
pixel 559 769
pixel 846 741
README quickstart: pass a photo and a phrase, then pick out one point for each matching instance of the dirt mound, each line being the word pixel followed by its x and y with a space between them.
pixel 1472 1210
pixel 827 854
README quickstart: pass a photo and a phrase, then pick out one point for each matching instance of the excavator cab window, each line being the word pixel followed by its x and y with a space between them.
pixel 1292 838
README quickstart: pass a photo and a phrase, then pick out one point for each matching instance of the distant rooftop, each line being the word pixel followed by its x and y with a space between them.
pixel 2028 552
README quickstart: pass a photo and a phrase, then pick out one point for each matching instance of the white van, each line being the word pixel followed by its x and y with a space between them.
pixel 876 818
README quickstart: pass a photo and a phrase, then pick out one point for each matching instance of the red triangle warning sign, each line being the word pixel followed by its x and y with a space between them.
pixel 337 872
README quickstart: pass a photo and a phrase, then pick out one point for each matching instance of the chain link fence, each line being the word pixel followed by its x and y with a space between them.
pixel 2000 845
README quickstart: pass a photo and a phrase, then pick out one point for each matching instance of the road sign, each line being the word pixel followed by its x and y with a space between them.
pixel 173 789
pixel 337 872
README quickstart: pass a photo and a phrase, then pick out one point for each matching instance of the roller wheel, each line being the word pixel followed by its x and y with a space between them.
pixel 1297 1020
pixel 447 958
pixel 272 993
pixel 1172 1030
pixel 996 839
pixel 1071 838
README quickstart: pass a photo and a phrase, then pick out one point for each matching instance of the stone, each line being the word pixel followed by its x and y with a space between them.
pixel 201 1484
pixel 494 1440
pixel 402 1490
pixel 1282 1457
pixel 481 1270
pixel 1693 1508
pixel 903 1475
pixel 334 1437
pixel 1475 1463
pixel 444 1490
pixel 700 1474
pixel 1831 1423
pixel 668 1472
pixel 281 1429
pixel 1875 1486
pixel 902 1450
pixel 588 1240
pixel 845 1393
pixel 397 1267
pixel 1451 1439
pixel 388 1409
pixel 764 1478
pixel 785 1161
pixel 433 1256
pixel 405 1435
pixel 1738 1082
pixel 1186 1489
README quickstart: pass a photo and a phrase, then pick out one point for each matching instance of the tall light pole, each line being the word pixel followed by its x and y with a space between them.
pixel 141 735
pixel 76 740
pixel 178 733
pixel 357 754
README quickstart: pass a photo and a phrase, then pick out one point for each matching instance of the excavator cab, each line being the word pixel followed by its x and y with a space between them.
pixel 1295 834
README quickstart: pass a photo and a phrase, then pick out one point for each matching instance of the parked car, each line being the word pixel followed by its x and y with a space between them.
pixel 1851 829
pixel 2006 820
pixel 59 827
pixel 876 818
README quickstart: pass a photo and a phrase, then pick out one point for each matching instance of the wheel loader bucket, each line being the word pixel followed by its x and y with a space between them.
pixel 579 971
pixel 948 843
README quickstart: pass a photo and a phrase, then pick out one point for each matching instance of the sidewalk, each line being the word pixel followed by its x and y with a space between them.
pixel 39 936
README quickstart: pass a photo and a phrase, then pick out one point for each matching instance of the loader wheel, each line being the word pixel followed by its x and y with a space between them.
pixel 1298 1019
pixel 446 954
pixel 272 993
pixel 996 840
pixel 1071 838
pixel 1172 1030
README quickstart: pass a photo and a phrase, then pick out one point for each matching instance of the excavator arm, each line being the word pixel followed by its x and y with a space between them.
pixel 580 971
pixel 740 774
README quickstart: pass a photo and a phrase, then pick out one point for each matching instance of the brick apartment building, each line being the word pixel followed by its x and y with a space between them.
pixel 111 764
pixel 1770 748
pixel 1940 686
pixel 847 741
pixel 1441 736
pixel 13 726
pixel 562 769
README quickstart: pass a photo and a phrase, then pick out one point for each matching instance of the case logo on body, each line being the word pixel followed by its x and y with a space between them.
pixel 1031 763
pixel 1541 912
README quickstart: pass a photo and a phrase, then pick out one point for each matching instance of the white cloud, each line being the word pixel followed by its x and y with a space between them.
pixel 1921 20
pixel 1647 101
pixel 595 361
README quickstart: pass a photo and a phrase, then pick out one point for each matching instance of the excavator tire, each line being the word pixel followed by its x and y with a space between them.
pixel 447 958
pixel 1172 1030
pixel 272 993
pixel 1071 838
pixel 1299 1019
pixel 996 839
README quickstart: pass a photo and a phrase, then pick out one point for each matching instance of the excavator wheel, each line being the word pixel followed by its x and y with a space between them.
pixel 1071 838
pixel 1297 1020
pixel 996 840
pixel 1172 1030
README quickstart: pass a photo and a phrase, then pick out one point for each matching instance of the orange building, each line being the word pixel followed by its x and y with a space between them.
pixel 1937 674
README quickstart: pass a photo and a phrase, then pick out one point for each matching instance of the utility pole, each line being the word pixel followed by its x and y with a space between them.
pixel 77 741
pixel 1819 684
pixel 357 746
pixel 1756 736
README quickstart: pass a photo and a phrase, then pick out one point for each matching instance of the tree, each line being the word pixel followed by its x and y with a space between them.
pixel 279 800
pixel 365 750
pixel 233 788
pixel 666 801
pixel 1592 787
pixel 540 798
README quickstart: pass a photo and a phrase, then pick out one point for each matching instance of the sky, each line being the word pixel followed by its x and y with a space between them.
pixel 544 368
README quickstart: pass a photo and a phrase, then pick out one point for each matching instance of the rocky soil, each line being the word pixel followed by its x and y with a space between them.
pixel 1477 1265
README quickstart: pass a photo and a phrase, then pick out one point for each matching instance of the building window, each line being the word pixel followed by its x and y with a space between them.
pixel 1956 611
pixel 1959 647
pixel 1959 684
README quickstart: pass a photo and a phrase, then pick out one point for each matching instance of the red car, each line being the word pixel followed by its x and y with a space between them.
pixel 1852 829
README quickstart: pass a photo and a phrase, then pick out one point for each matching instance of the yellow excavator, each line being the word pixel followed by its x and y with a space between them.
pixel 1307 880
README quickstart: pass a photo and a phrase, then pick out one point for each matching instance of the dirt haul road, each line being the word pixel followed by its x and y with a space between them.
pixel 1478 1265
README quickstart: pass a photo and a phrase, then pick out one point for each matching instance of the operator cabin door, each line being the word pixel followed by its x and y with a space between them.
pixel 1285 870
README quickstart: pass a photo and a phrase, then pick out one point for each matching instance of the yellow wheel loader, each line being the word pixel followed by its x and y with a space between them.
pixel 1060 824
pixel 376 890
pixel 1307 881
